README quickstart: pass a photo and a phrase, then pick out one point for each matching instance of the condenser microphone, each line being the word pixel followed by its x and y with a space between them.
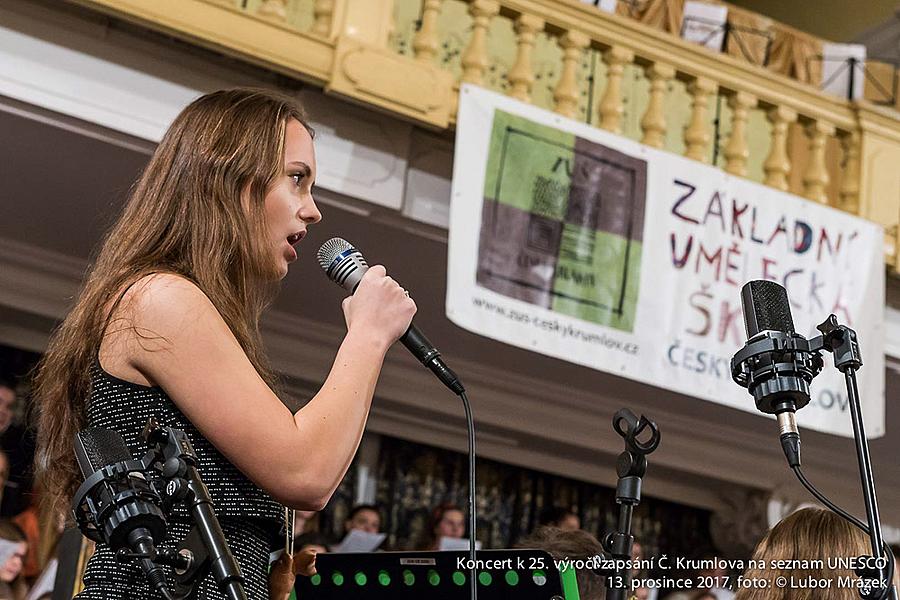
pixel 116 504
pixel 345 265
pixel 776 365
pixel 766 308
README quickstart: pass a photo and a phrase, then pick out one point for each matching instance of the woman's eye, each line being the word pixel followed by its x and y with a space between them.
pixel 298 179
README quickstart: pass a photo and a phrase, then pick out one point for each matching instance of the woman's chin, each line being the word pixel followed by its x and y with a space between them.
pixel 282 271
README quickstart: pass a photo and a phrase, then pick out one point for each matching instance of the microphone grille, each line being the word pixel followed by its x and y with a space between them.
pixel 96 448
pixel 766 307
pixel 330 250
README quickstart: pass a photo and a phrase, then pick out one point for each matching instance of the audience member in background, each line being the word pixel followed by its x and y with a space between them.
pixel 7 402
pixel 13 548
pixel 686 573
pixel 305 521
pixel 641 592
pixel 809 534
pixel 446 521
pixel 364 517
pixel 679 594
pixel 575 544
pixel 4 473
pixel 719 576
pixel 306 547
pixel 314 541
pixel 17 441
pixel 561 518
pixel 29 522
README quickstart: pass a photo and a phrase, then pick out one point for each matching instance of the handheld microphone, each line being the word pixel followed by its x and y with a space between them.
pixel 345 265
pixel 116 504
pixel 777 364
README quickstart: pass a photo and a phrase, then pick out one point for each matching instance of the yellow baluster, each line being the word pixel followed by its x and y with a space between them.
pixel 611 108
pixel 273 9
pixel 521 75
pixel 425 44
pixel 653 122
pixel 816 179
pixel 778 164
pixel 475 59
pixel 737 152
pixel 323 13
pixel 696 134
pixel 565 95
pixel 849 194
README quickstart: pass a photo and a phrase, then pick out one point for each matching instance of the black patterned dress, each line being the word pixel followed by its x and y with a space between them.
pixel 250 518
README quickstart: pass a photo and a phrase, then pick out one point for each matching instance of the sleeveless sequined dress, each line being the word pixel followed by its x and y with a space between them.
pixel 250 518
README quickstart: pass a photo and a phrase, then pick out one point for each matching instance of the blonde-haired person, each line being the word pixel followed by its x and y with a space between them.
pixel 810 534
pixel 167 326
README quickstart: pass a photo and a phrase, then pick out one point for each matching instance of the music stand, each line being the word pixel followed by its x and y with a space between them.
pixel 855 67
pixel 517 575
pixel 730 30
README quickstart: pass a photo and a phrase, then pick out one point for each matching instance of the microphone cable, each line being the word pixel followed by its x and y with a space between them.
pixel 886 551
pixel 345 266
pixel 470 429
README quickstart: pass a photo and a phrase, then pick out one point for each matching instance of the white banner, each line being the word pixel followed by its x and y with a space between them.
pixel 586 246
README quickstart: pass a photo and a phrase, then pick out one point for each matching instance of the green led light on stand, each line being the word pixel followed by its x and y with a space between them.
pixel 484 578
pixel 337 578
pixel 408 577
pixel 512 578
pixel 433 577
pixel 384 578
pixel 360 578
pixel 459 578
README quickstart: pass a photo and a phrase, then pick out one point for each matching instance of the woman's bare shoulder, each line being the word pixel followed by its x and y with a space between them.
pixel 162 290
pixel 152 314
pixel 163 302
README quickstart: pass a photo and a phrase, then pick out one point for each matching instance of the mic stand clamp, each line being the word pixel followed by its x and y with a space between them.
pixel 630 467
pixel 205 548
pixel 843 344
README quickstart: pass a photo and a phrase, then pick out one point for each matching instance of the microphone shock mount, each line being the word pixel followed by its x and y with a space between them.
pixel 108 502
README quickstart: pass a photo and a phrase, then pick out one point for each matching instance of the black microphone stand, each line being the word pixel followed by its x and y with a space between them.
pixel 842 342
pixel 630 467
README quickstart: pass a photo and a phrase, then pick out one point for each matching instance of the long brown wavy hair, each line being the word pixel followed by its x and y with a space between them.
pixel 809 534
pixel 198 210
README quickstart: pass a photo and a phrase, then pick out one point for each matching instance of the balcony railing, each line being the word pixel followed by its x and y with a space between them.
pixel 638 79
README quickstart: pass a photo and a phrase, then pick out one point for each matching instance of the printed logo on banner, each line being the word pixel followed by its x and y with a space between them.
pixel 562 222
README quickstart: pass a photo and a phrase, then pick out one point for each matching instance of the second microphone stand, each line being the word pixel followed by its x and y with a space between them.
pixel 630 467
